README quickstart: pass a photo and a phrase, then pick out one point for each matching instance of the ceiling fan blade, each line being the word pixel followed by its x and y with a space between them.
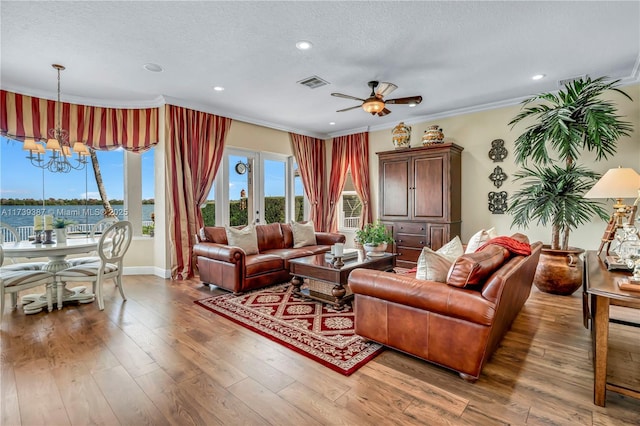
pixel 340 95
pixel 385 89
pixel 349 109
pixel 384 112
pixel 408 100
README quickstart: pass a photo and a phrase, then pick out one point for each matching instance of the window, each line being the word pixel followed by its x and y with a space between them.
pixel 349 207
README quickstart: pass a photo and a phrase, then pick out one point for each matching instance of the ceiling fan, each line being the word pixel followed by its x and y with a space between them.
pixel 375 104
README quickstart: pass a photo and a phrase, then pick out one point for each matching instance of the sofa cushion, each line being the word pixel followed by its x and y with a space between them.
pixel 304 234
pixel 245 238
pixel 434 265
pixel 472 269
pixel 213 234
pixel 479 238
pixel 259 264
pixel 269 237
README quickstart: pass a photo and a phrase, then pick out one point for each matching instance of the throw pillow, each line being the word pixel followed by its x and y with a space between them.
pixel 245 238
pixel 473 268
pixel 304 234
pixel 479 238
pixel 434 265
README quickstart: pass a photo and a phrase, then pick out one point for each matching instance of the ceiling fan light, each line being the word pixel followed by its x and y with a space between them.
pixel 373 106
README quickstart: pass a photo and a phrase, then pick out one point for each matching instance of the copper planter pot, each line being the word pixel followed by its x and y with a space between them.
pixel 559 271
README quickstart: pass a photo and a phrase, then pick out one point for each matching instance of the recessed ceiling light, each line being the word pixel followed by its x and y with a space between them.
pixel 218 88
pixel 538 77
pixel 332 123
pixel 304 45
pixel 153 67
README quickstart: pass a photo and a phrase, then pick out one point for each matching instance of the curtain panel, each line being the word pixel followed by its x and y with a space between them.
pixel 24 117
pixel 194 147
pixel 310 155
pixel 350 152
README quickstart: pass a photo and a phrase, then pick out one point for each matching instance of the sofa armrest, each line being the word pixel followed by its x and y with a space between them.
pixel 329 238
pixel 219 252
pixel 432 296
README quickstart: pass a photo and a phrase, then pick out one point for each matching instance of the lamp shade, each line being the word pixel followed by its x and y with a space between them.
pixel 616 183
pixel 29 145
pixel 53 145
pixel 373 105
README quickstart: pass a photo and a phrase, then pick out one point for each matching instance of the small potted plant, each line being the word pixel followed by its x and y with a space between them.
pixel 59 226
pixel 374 237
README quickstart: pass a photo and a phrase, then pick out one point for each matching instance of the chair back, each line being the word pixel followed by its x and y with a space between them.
pixel 8 234
pixel 100 226
pixel 115 241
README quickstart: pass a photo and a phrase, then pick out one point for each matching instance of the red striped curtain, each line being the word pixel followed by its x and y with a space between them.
pixel 194 146
pixel 310 153
pixel 24 116
pixel 351 151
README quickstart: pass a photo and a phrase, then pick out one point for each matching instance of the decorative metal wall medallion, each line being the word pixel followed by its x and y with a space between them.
pixel 498 202
pixel 498 152
pixel 498 177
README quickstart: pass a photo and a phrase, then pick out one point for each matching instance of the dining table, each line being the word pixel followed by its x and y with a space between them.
pixel 57 254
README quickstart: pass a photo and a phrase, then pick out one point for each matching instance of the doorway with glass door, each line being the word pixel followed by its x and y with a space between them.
pixel 256 187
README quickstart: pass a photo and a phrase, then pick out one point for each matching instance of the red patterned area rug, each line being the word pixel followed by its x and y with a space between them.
pixel 310 328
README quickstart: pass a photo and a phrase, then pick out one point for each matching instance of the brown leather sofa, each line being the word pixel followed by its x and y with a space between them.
pixel 455 327
pixel 230 268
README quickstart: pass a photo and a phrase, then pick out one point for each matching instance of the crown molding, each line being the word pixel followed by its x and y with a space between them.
pixel 349 132
pixel 207 108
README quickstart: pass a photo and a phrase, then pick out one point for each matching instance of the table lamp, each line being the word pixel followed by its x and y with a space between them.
pixel 618 183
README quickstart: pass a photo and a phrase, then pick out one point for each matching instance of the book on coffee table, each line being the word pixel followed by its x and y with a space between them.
pixel 347 254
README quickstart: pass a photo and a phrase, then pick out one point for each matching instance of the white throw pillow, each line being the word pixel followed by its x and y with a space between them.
pixel 245 238
pixel 479 238
pixel 304 234
pixel 435 265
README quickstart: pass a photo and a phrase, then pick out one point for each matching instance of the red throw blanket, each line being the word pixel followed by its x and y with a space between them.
pixel 514 246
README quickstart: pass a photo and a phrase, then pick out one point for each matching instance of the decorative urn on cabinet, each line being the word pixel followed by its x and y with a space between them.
pixel 433 134
pixel 401 136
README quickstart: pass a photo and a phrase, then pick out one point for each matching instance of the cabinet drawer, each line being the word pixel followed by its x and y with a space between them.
pixel 407 240
pixel 408 254
pixel 410 228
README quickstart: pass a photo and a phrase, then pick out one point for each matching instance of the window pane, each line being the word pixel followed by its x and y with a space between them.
pixel 299 194
pixel 351 208
pixel 239 198
pixel 148 191
pixel 274 191
pixel 209 208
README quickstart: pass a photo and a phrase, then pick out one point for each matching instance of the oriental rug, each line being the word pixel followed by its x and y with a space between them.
pixel 310 328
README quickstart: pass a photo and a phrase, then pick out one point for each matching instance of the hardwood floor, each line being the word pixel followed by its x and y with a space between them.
pixel 160 359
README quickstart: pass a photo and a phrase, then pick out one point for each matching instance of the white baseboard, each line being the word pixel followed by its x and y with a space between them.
pixel 147 270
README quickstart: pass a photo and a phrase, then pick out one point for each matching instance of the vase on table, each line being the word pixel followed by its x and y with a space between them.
pixel 61 235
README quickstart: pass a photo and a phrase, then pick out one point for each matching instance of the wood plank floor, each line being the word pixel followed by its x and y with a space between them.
pixel 160 359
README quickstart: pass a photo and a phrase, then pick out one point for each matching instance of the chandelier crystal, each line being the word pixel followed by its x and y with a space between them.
pixel 58 145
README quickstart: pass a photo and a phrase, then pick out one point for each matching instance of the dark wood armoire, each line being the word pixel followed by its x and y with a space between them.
pixel 420 197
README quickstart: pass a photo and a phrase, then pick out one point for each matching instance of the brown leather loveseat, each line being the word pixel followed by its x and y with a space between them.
pixel 231 268
pixel 457 324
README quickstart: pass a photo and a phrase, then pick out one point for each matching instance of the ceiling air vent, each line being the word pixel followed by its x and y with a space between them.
pixel 313 82
pixel 562 83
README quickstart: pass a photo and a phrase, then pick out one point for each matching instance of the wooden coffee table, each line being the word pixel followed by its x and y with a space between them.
pixel 328 283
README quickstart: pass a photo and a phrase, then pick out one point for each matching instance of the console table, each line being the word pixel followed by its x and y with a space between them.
pixel 601 286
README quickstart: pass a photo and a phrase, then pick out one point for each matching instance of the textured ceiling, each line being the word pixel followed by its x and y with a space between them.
pixel 460 56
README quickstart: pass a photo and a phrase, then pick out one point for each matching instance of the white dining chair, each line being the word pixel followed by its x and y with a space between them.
pixel 113 245
pixel 9 234
pixel 14 281
pixel 97 229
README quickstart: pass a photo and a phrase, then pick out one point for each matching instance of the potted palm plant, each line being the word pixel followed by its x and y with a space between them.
pixel 374 237
pixel 564 124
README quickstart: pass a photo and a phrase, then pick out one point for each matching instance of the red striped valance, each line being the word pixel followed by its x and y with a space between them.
pixel 24 116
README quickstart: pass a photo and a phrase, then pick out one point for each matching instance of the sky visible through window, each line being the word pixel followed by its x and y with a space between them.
pixel 20 180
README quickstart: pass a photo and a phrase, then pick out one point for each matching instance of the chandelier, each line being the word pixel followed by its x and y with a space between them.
pixel 58 145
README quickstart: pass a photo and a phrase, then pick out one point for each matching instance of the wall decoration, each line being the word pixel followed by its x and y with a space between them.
pixel 401 136
pixel 498 202
pixel 498 152
pixel 498 176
